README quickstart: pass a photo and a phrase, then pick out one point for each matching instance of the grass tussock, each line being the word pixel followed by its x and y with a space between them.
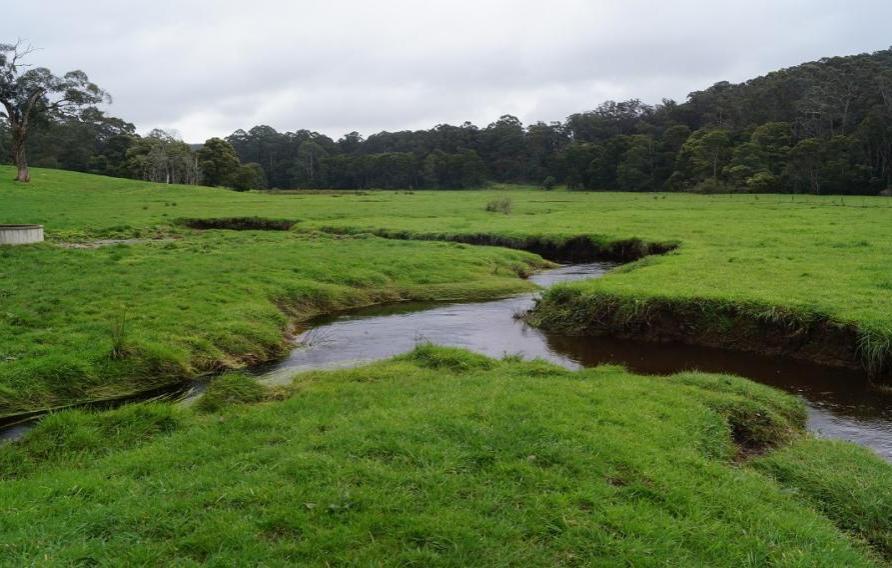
pixel 230 389
pixel 118 330
pixel 430 356
pixel 441 457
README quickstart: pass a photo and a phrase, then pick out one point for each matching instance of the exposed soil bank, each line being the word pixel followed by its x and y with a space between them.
pixel 239 224
pixel 711 323
pixel 579 249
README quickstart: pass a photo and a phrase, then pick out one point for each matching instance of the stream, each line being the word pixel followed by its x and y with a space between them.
pixel 840 402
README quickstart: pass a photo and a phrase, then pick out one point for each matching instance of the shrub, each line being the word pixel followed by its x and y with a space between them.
pixel 549 183
pixel 711 186
pixel 762 182
pixel 500 205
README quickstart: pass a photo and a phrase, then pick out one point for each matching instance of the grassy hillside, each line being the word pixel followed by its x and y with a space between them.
pixel 444 458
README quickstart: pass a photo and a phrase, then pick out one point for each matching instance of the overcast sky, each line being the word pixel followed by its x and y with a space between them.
pixel 205 68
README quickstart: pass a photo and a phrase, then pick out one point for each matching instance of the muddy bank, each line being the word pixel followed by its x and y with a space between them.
pixel 760 329
pixel 238 224
pixel 579 249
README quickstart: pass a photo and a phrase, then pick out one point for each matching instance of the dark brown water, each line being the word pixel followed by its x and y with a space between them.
pixel 839 401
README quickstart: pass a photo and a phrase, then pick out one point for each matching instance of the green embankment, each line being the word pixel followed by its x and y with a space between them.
pixel 444 458
pixel 80 324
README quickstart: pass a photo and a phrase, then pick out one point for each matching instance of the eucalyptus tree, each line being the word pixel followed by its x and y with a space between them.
pixel 218 162
pixel 27 93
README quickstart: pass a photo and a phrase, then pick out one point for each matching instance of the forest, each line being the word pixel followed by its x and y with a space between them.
pixel 823 127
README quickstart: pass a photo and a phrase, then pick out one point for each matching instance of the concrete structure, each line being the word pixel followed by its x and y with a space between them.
pixel 20 234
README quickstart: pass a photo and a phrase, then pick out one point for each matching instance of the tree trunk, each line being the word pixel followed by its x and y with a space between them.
pixel 21 163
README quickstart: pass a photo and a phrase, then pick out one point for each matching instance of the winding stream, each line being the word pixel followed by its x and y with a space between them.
pixel 840 403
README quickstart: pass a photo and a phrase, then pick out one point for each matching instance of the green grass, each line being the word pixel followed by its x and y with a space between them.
pixel 827 253
pixel 229 389
pixel 445 458
pixel 204 302
pixel 218 299
pixel 843 481
pixel 439 457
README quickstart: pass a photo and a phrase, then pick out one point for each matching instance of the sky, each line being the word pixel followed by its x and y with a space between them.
pixel 205 68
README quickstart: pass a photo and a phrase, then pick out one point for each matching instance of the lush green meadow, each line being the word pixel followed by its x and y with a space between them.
pixel 91 323
pixel 439 457
pixel 446 458
pixel 829 253
pixel 217 299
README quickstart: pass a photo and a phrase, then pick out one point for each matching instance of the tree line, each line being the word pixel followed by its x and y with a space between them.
pixel 820 127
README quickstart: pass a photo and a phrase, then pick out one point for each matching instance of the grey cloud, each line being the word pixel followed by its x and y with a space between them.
pixel 208 67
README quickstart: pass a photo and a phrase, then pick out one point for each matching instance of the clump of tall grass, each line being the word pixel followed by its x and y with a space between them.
pixel 430 356
pixel 874 348
pixel 119 335
pixel 500 205
pixel 229 389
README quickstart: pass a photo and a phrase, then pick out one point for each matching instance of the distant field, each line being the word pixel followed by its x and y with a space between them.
pixel 829 253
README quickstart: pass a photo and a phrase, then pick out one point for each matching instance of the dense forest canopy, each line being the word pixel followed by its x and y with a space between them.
pixel 819 127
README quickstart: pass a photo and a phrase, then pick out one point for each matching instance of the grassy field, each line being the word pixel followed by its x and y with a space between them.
pixel 441 457
pixel 217 299
pixel 812 255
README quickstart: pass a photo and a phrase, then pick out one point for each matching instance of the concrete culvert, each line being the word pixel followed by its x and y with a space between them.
pixel 21 234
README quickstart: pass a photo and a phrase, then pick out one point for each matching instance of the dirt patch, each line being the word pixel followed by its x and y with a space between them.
pixel 238 223
pixel 109 242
